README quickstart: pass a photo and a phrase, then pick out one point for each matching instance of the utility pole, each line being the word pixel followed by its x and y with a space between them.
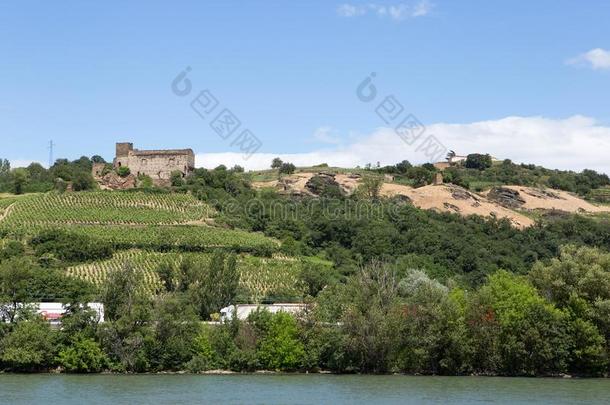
pixel 51 144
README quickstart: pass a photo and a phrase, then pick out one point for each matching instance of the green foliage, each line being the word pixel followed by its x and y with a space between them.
pixel 370 187
pixel 280 348
pixel 70 247
pixel 175 330
pixel 20 178
pixel 478 161
pixel 176 179
pixel 510 173
pixel 35 178
pixel 123 171
pixel 287 168
pixel 276 163
pixel 84 355
pixel 211 288
pixel 83 181
pixel 30 346
pixel 532 337
pixel 145 181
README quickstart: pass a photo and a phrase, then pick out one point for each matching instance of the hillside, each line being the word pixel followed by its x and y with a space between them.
pixel 261 279
pixel 155 221
pixel 443 198
pixel 126 219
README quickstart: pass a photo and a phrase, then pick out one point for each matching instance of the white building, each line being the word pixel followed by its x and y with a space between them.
pixel 52 312
pixel 243 310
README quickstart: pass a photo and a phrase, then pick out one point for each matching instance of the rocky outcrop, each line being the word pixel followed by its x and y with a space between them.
pixel 459 193
pixel 324 184
pixel 506 197
pixel 113 181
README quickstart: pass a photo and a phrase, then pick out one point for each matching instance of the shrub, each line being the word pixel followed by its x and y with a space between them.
pixel 70 247
pixel 31 346
pixel 123 171
pixel 281 349
pixel 83 356
pixel 478 161
pixel 287 168
pixel 276 163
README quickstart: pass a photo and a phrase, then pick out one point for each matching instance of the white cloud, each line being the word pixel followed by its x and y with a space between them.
pixel 422 8
pixel 597 59
pixel 349 10
pixel 397 12
pixel 573 143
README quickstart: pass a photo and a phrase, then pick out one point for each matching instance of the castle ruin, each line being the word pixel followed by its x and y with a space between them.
pixel 158 164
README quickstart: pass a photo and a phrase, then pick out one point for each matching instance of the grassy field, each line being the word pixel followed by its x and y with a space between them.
pixel 260 278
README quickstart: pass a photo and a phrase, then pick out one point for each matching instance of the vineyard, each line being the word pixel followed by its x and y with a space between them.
pixel 260 278
pixel 127 220
pixel 107 208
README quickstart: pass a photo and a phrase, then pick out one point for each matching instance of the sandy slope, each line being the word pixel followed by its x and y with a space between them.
pixel 550 199
pixel 451 198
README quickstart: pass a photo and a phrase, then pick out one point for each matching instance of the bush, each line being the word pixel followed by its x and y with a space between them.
pixel 478 161
pixel 123 171
pixel 145 181
pixel 70 247
pixel 276 163
pixel 281 349
pixel 83 356
pixel 176 178
pixel 83 181
pixel 287 168
pixel 31 346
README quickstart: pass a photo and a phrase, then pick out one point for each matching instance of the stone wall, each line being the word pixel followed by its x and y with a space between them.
pixel 158 164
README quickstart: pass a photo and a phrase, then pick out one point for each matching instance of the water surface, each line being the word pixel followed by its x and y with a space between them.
pixel 295 389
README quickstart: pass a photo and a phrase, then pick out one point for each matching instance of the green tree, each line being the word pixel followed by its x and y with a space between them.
pixel 177 178
pixel 478 161
pixel 84 355
pixel 214 287
pixel 287 168
pixel 370 186
pixel 20 179
pixel 15 276
pixel 176 327
pixel 533 338
pixel 82 181
pixel 281 348
pixel 31 346
pixel 276 163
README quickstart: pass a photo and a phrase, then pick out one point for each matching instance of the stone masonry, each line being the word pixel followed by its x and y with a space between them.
pixel 158 164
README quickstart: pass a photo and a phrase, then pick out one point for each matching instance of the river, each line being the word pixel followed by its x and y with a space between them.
pixel 295 389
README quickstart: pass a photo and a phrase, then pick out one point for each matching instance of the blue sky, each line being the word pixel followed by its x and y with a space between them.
pixel 519 79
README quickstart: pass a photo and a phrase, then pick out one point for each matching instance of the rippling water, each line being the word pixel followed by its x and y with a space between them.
pixel 295 389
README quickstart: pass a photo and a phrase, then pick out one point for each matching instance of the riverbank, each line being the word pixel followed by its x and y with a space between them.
pixel 221 372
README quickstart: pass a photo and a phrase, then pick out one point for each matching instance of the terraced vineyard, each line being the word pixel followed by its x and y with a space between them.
pixel 260 278
pixel 127 220
pixel 107 208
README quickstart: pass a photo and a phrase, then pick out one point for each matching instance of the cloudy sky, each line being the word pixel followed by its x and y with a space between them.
pixel 344 83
